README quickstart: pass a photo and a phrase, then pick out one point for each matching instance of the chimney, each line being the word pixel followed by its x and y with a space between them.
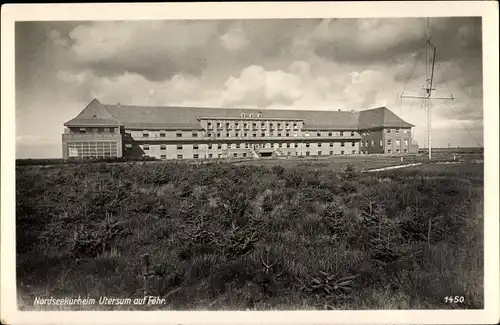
pixel 340 110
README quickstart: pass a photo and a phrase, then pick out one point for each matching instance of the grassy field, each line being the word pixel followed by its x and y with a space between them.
pixel 252 235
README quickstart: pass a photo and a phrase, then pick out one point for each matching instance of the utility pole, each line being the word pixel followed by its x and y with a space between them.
pixel 430 60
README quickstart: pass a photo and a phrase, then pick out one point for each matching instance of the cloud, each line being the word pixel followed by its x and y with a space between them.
pixel 155 49
pixel 257 87
pixel 235 39
pixel 177 90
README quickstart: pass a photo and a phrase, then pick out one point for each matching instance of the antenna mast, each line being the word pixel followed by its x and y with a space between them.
pixel 430 60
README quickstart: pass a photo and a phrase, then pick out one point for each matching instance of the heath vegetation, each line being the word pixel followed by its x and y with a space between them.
pixel 231 237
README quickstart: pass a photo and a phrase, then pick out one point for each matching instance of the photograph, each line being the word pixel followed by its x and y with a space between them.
pixel 314 163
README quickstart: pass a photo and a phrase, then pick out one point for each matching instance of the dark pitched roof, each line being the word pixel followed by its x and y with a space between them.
pixel 174 117
pixel 380 117
pixel 95 115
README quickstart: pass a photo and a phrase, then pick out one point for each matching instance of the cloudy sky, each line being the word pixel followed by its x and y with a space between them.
pixel 315 64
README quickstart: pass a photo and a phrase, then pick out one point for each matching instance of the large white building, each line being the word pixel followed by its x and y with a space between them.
pixel 195 132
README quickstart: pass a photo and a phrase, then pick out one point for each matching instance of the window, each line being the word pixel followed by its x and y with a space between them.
pixel 282 145
pixel 209 125
pixel 389 142
pixel 263 134
pixel 210 155
pixel 318 134
pixel 163 147
pixel 354 152
pixel 235 155
pixel 262 125
pixel 163 157
pixel 308 145
pixel 342 144
pixel 162 135
pixel 353 144
pixel 179 156
pixel 228 126
pixel 219 125
pixel 145 135
pixel 254 125
pixel 219 146
pixel 245 125
pixel 195 156
pixel 279 125
pixel 342 152
pixel 106 130
pixel 237 125
pixel 397 130
pixel 244 154
pixel 250 115
pixel 237 134
pixel 319 153
pixel 307 153
pixel 178 134
pixel 288 145
pixel 83 130
pixel 218 135
pixel 341 133
pixel 179 147
pixel 195 146
pixel 366 143
pixel 389 151
pixel 254 135
pixel 398 143
pixel 292 145
pixel 379 144
pixel 219 155
pixel 288 134
pixel 288 153
pixel 397 150
pixel 227 135
pixel 405 131
pixel 146 147
pixel 128 145
pixel 329 134
pixel 259 115
pixel 242 114
pixel 306 134
pixel 406 143
pixel 209 135
pixel 331 144
pixel 210 146
pixel 352 133
pixel 361 143
pixel 245 134
pixel 388 130
pixel 331 152
pixel 405 150
pixel 195 134
pixel 279 134
pixel 246 145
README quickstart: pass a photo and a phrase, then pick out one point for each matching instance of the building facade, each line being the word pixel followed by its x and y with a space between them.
pixel 101 131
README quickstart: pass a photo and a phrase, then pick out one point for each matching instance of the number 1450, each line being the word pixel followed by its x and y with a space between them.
pixel 454 299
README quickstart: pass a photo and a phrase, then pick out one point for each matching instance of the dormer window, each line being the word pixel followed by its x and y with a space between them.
pixel 250 115
pixel 259 115
pixel 242 114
